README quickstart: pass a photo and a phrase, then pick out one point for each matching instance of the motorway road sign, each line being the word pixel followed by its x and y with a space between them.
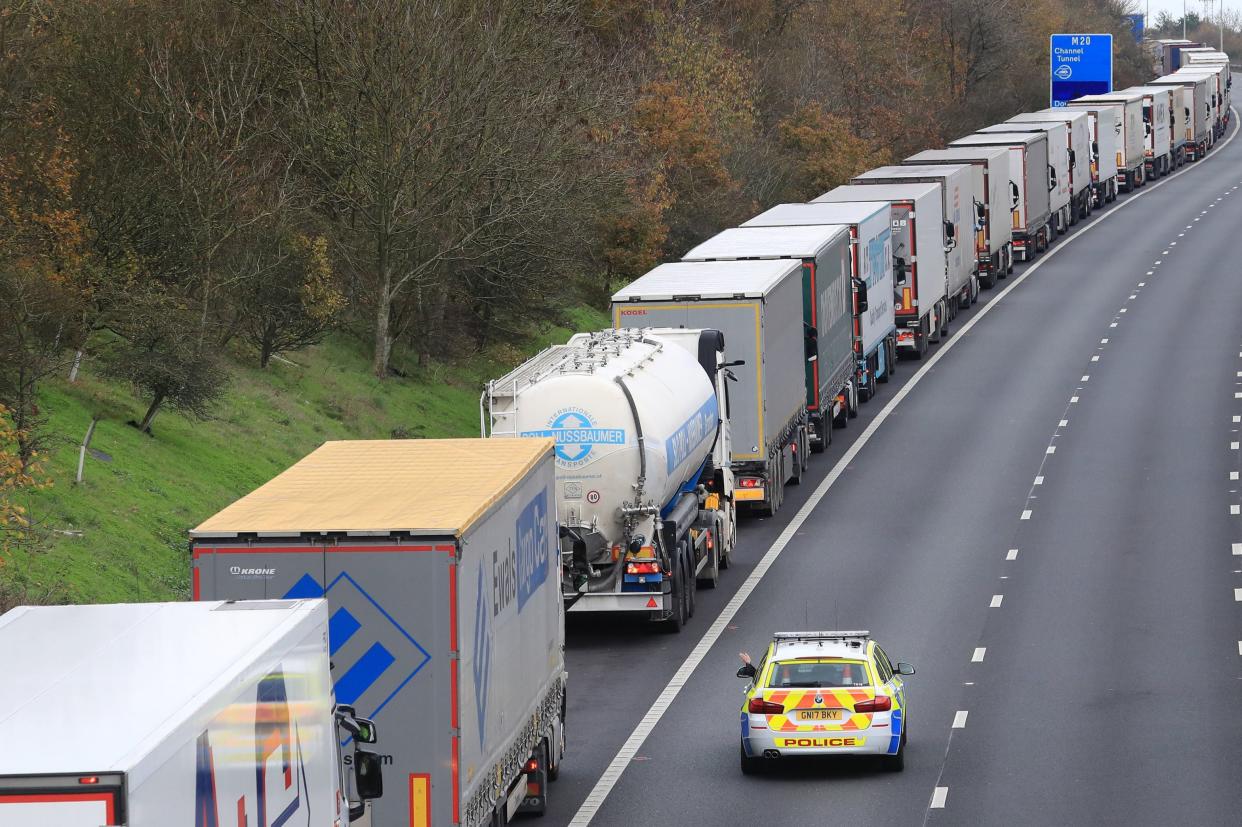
pixel 1081 64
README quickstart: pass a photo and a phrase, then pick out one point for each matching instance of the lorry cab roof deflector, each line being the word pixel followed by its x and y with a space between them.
pixel 425 487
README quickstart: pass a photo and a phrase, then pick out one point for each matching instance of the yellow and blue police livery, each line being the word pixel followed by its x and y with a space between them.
pixel 824 693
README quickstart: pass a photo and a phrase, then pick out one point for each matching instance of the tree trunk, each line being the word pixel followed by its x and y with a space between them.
pixel 383 340
pixel 77 363
pixel 86 444
pixel 265 348
pixel 145 427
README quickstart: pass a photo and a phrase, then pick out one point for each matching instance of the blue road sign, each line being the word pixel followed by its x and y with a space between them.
pixel 1082 64
pixel 1137 23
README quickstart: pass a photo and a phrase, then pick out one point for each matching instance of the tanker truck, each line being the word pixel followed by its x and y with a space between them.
pixel 644 489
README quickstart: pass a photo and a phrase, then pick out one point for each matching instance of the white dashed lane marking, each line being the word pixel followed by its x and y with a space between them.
pixel 938 798
pixel 959 720
pixel 1026 515
pixel 1012 554
pixel 997 599
pixel 977 657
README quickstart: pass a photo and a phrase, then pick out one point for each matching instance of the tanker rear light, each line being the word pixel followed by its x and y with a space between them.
pixel 750 482
pixel 643 567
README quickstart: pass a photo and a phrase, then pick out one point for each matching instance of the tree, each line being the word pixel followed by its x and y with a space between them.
pixel 18 473
pixel 158 352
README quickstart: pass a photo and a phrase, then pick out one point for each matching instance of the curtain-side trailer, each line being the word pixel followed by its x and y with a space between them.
pixel 871 262
pixel 1078 131
pixel 920 261
pixel 757 305
pixel 159 714
pixel 440 563
pixel 1131 135
pixel 961 204
pixel 831 392
pixel 994 243
pixel 1197 111
pixel 1030 184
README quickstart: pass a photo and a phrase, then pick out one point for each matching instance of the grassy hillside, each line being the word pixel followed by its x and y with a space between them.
pixel 121 534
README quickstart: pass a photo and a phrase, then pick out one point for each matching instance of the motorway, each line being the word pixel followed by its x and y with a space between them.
pixel 1042 519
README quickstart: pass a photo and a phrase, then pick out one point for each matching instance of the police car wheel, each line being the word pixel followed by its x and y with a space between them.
pixel 897 763
pixel 750 766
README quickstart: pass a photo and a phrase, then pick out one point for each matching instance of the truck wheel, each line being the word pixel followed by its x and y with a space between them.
pixel 851 402
pixel 677 591
pixel 823 434
pixel 692 583
pixel 750 766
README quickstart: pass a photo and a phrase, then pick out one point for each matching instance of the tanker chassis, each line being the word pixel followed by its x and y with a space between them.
pixel 644 490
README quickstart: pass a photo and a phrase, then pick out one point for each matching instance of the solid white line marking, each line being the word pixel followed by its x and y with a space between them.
pixel 959 719
pixel 1012 554
pixel 977 657
pixel 1073 399
pixel 625 755
pixel 1026 515
pixel 1039 480
pixel 1052 449
pixel 1064 422
pixel 938 797
pixel 1237 549
pixel 996 601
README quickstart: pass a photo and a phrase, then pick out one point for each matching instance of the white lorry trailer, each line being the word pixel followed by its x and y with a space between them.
pixel 1219 93
pixel 1170 53
pixel 961 204
pixel 644 491
pixel 1059 165
pixel 1104 131
pixel 920 257
pixel 439 561
pixel 159 714
pixel 757 306
pixel 993 243
pixel 831 392
pixel 1196 111
pixel 1030 184
pixel 1131 135
pixel 871 265
pixel 1078 131
pixel 1158 128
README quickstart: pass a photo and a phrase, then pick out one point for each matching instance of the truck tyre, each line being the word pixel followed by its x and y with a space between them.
pixel 692 583
pixel 677 591
pixel 851 401
pixel 750 766
pixel 889 360
pixel 823 434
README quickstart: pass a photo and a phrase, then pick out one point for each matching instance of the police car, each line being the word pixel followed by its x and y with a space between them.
pixel 824 693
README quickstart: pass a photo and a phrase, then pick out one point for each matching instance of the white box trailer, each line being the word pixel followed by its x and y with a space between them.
pixel 994 243
pixel 440 563
pixel 1059 166
pixel 159 714
pixel 827 309
pixel 1105 130
pixel 1158 126
pixel 1030 185
pixel 920 260
pixel 871 263
pixel 1131 135
pixel 1078 131
pixel 1219 89
pixel 1179 121
pixel 757 305
pixel 1196 111
pixel 1170 53
pixel 961 193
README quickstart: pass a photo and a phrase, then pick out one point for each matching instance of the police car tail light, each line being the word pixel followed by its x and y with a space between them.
pixel 646 567
pixel 758 706
pixel 881 703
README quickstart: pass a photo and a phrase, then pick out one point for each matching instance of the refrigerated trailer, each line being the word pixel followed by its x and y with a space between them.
pixel 827 302
pixel 1158 128
pixel 1218 87
pixel 1059 201
pixel 1196 111
pixel 1131 135
pixel 871 263
pixel 757 305
pixel 1030 182
pixel 920 262
pixel 1170 53
pixel 439 560
pixel 961 205
pixel 160 714
pixel 1078 132
pixel 1104 132
pixel 994 243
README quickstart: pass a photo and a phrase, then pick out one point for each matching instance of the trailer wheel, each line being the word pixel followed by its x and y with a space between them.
pixel 823 434
pixel 692 583
pixel 889 360
pixel 851 402
pixel 677 591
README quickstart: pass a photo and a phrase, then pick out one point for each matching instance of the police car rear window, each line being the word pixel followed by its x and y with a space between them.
pixel 793 674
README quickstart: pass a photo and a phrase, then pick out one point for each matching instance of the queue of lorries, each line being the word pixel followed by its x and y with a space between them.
pixel 411 595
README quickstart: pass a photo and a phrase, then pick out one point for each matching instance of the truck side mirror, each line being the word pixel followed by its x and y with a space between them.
pixel 366 731
pixel 368 774
pixel 860 294
pixel 949 231
pixel 1095 149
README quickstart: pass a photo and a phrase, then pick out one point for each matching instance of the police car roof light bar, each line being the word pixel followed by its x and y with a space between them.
pixel 863 634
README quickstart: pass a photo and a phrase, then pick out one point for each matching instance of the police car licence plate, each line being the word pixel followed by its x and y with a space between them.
pixel 819 714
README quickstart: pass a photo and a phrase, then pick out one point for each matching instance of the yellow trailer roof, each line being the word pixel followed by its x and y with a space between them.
pixel 424 486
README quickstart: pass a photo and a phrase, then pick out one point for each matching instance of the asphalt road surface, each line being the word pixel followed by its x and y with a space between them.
pixel 1043 523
